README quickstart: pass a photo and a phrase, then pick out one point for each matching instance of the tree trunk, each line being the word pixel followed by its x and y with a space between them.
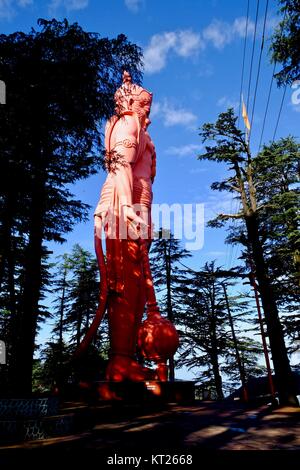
pixel 7 281
pixel 214 357
pixel 284 378
pixel 28 313
pixel 216 372
pixel 32 276
pixel 7 253
pixel 6 235
pixel 61 317
pixel 32 279
pixel 78 325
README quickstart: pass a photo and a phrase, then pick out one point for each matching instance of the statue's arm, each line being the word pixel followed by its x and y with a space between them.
pixel 124 146
pixel 125 142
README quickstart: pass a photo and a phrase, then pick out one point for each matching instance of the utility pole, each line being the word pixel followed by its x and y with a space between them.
pixel 169 304
pixel 237 353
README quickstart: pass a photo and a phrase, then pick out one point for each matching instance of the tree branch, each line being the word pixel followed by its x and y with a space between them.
pixel 231 216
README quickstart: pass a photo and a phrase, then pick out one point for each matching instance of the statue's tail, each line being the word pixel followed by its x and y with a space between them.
pixel 92 331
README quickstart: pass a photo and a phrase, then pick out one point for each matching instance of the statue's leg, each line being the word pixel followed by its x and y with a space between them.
pixel 125 315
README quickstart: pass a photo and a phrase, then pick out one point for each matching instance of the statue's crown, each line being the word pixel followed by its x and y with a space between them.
pixel 127 91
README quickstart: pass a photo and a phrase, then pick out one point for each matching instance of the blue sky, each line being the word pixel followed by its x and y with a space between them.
pixel 193 58
pixel 193 53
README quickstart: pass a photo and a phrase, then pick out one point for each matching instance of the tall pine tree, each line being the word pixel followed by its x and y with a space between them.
pixel 215 342
pixel 227 144
pixel 60 85
pixel 169 275
pixel 285 45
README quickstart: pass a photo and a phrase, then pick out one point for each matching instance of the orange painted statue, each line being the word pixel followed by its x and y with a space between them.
pixel 124 212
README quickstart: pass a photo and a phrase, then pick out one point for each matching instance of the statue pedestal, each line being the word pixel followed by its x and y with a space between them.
pixel 148 391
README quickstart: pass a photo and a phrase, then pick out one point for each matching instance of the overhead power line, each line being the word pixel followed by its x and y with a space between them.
pixel 229 251
pixel 270 89
pixel 279 114
pixel 252 54
pixel 267 107
pixel 243 63
pixel 259 65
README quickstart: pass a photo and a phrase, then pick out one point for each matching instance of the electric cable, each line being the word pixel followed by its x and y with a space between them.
pixel 259 66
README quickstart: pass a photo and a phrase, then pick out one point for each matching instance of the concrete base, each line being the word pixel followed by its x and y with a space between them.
pixel 142 392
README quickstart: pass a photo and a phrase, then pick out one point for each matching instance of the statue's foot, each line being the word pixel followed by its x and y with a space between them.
pixel 125 368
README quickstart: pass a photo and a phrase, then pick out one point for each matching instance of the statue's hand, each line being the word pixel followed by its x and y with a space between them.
pixel 131 216
pixel 136 222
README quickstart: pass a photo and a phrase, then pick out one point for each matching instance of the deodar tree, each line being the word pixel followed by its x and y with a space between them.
pixel 60 82
pixel 226 143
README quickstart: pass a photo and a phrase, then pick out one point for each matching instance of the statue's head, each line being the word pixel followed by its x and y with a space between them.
pixel 131 97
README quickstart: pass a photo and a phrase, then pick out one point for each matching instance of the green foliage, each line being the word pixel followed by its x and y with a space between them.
pixel 83 293
pixel 276 170
pixel 168 274
pixel 285 46
pixel 56 372
pixel 207 341
pixel 76 299
pixel 60 86
pixel 272 175
pixel 277 176
pixel 250 351
pixel 263 223
pixel 51 369
pixel 229 143
pixel 166 258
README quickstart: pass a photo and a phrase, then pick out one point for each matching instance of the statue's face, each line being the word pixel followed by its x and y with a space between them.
pixel 142 106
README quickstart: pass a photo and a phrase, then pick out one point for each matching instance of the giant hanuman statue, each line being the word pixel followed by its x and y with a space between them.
pixel 124 212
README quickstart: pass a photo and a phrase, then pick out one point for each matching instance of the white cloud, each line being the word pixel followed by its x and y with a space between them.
pixel 76 4
pixel 221 33
pixel 239 26
pixel 25 3
pixel 218 33
pixel 155 108
pixel 155 55
pixel 184 150
pixel 7 7
pixel 184 43
pixel 216 204
pixel 69 5
pixel 226 102
pixel 133 5
pixel 188 43
pixel 172 115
